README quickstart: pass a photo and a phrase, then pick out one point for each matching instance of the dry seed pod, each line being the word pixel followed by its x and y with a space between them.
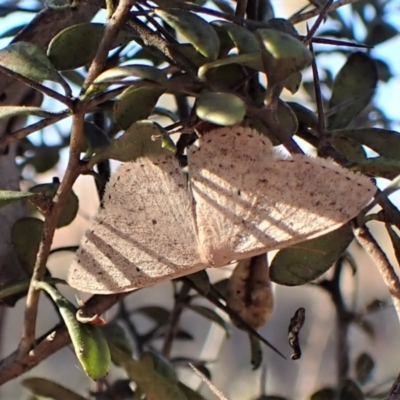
pixel 249 292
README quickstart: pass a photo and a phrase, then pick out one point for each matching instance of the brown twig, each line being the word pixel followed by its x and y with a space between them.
pixel 173 321
pixel 316 11
pixel 380 259
pixel 16 364
pixel 343 320
pixel 41 88
pixel 241 6
pixel 111 31
pixel 322 142
pixel 317 23
pixel 152 39
pixel 50 224
pixel 24 132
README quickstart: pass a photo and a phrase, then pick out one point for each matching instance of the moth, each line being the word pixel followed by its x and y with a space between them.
pixel 240 198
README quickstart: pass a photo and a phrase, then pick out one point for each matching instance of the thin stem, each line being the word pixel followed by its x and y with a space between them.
pixel 343 319
pixel 322 142
pixel 173 323
pixel 50 224
pixel 316 11
pixel 380 259
pixel 111 31
pixel 24 132
pixel 153 39
pixel 38 86
pixel 241 6
pixel 317 23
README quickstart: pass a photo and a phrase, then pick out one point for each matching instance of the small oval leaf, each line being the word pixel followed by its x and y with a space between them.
pixel 26 235
pixel 210 315
pixel 304 262
pixel 68 51
pixel 196 30
pixel 29 61
pixel 71 206
pixel 282 55
pixel 355 82
pixel 134 104
pixel 143 138
pixel 240 37
pixel 378 167
pixel 117 74
pixel 384 141
pixel 220 108
pixel 90 345
pixel 95 139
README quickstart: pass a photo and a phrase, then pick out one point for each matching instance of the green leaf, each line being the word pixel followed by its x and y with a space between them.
pixel 250 60
pixel 384 141
pixel 143 138
pixel 134 104
pixel 117 74
pixel 148 380
pixel 194 29
pixel 90 345
pixel 159 315
pixel 26 235
pixel 160 365
pixel 364 368
pixel 240 37
pixel 47 388
pixel 306 261
pixel 378 167
pixel 256 352
pixel 71 207
pixel 201 281
pixel 355 82
pixel 305 116
pixel 324 394
pixel 210 315
pixel 379 31
pixel 29 61
pixel 351 391
pixel 95 139
pixel 45 158
pixel 286 119
pixel 282 55
pixel 76 45
pixel 350 148
pixel 116 335
pixel 14 111
pixel 9 196
pixel 220 108
pixel 293 82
